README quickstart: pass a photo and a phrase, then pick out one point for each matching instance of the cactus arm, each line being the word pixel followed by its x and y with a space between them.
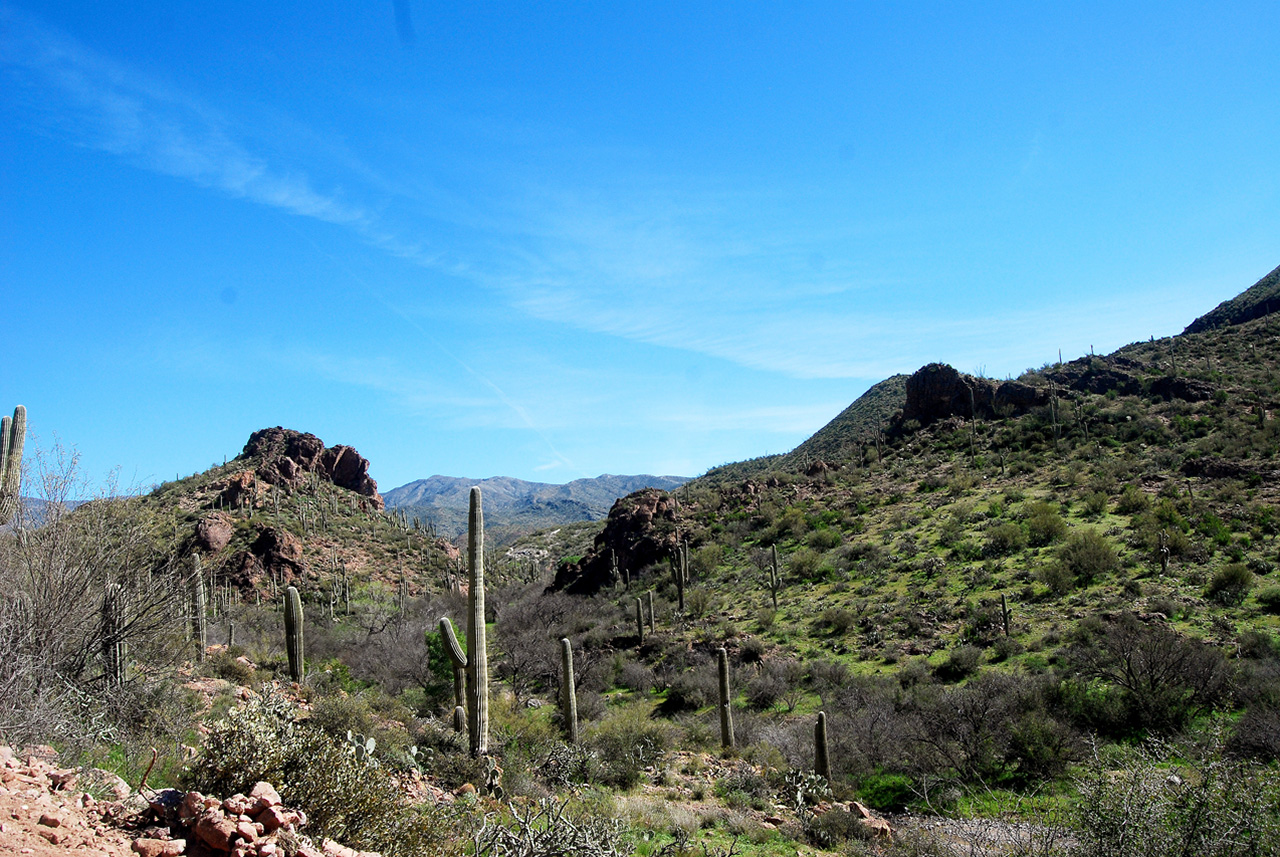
pixel 821 757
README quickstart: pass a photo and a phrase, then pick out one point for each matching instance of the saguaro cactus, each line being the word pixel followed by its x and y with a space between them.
pixel 476 659
pixel 199 620
pixel 639 621
pixel 775 577
pixel 13 433
pixel 821 758
pixel 568 694
pixel 726 712
pixel 293 633
pixel 114 648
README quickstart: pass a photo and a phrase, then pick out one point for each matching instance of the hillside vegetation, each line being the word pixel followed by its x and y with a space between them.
pixel 1041 613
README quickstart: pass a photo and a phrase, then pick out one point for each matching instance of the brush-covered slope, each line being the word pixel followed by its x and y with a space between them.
pixel 514 507
pixel 1144 483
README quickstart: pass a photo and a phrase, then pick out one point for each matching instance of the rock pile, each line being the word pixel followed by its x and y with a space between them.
pixel 42 813
pixel 253 825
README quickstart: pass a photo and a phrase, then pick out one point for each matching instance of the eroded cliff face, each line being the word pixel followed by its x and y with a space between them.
pixel 640 530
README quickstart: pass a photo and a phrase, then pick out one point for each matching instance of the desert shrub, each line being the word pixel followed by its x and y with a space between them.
pixel 636 677
pixel 753 650
pixel 1095 504
pixel 551 827
pixel 1161 679
pixel 837 620
pixel 1230 584
pixel 1216 807
pixel 1057 578
pixel 690 691
pixel 343 797
pixel 1044 524
pixel 627 742
pixel 1269 598
pixel 1004 539
pixel 1164 606
pixel 1088 555
pixel 962 661
pixel 825 539
pixel 1132 501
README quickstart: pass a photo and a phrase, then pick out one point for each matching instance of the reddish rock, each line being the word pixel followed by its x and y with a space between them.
pixel 247 831
pixel 213 532
pixel 264 795
pixel 238 804
pixel 215 830
pixel 273 818
pixel 48 819
pixel 279 552
pixel 159 847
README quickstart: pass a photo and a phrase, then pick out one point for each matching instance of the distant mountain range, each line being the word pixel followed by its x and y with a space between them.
pixel 513 507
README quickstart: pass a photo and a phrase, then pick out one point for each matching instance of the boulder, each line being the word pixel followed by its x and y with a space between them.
pixel 213 532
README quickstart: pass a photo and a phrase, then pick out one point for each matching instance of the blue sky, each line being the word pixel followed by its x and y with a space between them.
pixel 551 240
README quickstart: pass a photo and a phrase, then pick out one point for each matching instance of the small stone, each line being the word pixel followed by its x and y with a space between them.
pixel 264 795
pixel 247 831
pixel 55 837
pixel 50 820
pixel 149 847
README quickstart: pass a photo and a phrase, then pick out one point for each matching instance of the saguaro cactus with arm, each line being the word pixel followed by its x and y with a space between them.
pixel 476 659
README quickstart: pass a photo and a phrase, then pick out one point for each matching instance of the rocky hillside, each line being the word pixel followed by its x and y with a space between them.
pixel 289 510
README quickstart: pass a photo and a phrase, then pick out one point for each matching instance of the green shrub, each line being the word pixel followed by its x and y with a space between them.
pixel 1269 598
pixel 886 792
pixel 1044 524
pixel 1004 539
pixel 1088 555
pixel 1230 584
pixel 961 661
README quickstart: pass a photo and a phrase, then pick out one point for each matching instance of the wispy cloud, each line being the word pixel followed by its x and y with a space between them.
pixel 102 104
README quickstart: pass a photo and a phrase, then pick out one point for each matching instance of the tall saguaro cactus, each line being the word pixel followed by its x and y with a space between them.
pixel 114 648
pixel 568 694
pixel 293 633
pixel 475 661
pixel 726 712
pixel 13 434
pixel 821 757
pixel 199 620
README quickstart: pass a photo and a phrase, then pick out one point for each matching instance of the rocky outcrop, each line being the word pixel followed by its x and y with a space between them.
pixel 640 530
pixel 285 457
pixel 938 391
pixel 1127 377
pixel 213 532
